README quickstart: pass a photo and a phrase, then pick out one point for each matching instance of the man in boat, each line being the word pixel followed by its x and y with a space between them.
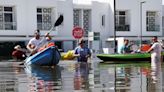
pixel 47 43
pixel 36 42
pixel 82 52
pixel 125 48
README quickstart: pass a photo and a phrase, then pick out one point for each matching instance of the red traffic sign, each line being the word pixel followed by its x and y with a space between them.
pixel 77 32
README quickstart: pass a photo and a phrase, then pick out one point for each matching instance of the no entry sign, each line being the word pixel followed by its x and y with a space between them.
pixel 77 32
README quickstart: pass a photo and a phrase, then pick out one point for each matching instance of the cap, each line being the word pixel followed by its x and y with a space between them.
pixel 81 41
pixel 17 47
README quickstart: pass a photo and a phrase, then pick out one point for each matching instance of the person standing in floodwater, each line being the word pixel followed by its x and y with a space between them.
pixel 82 52
pixel 156 58
pixel 81 76
pixel 156 50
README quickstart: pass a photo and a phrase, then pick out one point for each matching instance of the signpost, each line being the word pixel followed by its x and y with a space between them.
pixel 77 32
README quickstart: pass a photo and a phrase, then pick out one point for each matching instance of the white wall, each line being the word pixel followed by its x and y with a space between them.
pixel 66 8
pixel 98 10
pixel 134 7
pixel 65 30
pixel 82 2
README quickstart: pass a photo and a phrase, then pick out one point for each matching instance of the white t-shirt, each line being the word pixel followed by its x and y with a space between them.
pixel 156 55
pixel 157 48
pixel 35 42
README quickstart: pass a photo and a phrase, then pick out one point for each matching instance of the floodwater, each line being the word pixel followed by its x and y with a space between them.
pixel 70 76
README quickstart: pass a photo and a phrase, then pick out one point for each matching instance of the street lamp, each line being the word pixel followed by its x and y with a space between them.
pixel 141 3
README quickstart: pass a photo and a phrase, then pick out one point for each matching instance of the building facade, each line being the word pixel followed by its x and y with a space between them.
pixel 134 20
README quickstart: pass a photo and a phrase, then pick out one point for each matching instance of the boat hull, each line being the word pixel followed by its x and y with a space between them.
pixel 136 57
pixel 49 56
pixel 43 72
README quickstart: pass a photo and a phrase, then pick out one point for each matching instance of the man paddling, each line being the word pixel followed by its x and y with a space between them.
pixel 36 42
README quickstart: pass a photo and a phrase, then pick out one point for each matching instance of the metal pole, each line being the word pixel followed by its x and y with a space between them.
pixel 141 22
pixel 115 42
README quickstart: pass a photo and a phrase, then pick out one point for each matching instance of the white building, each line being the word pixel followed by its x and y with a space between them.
pixel 19 19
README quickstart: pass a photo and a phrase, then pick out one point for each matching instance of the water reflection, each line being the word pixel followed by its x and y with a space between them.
pixel 8 77
pixel 71 76
pixel 44 79
pixel 134 78
pixel 81 76
pixel 156 69
pixel 156 76
pixel 123 78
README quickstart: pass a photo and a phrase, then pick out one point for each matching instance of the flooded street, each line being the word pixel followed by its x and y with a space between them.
pixel 70 76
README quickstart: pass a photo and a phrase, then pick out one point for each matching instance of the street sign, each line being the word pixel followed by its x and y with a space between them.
pixel 77 32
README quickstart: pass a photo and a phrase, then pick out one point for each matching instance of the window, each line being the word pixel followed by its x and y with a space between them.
pixel 103 20
pixel 151 21
pixel 44 18
pixel 77 17
pixel 7 18
pixel 122 21
pixel 163 23
pixel 82 18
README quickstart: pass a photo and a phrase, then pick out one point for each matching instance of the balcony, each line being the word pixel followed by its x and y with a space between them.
pixel 44 26
pixel 153 28
pixel 122 27
pixel 7 25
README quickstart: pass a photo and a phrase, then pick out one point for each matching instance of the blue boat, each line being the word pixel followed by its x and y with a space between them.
pixel 49 56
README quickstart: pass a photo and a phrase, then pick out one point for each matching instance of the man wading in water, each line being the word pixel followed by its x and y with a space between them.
pixel 156 58
pixel 82 52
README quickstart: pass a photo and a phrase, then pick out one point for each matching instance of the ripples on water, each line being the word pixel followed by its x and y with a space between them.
pixel 71 76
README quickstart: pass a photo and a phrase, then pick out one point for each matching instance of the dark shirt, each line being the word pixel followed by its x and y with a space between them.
pixel 83 53
pixel 19 54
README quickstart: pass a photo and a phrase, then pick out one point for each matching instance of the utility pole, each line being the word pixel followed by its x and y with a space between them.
pixel 115 42
pixel 141 3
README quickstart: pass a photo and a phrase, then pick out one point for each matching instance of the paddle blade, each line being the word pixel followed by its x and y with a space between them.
pixel 59 21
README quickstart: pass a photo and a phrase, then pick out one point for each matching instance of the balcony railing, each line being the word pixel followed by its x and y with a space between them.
pixel 153 27
pixel 122 28
pixel 44 26
pixel 7 25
